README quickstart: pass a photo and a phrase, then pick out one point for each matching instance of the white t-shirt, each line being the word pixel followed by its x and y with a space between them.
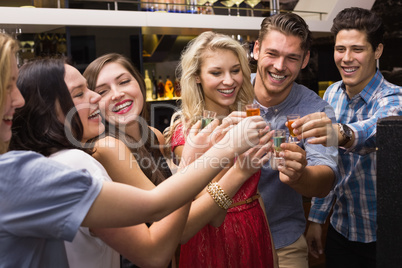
pixel 86 250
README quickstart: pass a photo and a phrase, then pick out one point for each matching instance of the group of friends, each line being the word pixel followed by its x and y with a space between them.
pixel 86 182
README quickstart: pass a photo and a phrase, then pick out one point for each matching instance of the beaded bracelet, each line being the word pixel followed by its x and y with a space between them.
pixel 219 196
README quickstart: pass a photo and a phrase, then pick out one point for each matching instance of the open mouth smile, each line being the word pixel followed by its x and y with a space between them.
pixel 94 114
pixel 122 107
pixel 8 119
pixel 349 69
pixel 277 77
pixel 227 91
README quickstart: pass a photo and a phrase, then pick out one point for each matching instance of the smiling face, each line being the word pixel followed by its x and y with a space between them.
pixel 13 100
pixel 221 78
pixel 355 59
pixel 280 59
pixel 122 100
pixel 86 103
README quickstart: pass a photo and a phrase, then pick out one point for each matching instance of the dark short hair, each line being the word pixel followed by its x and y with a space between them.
pixel 36 126
pixel 360 19
pixel 289 24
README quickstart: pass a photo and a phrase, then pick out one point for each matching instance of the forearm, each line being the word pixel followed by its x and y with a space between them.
pixel 138 206
pixel 166 236
pixel 205 211
pixel 190 180
pixel 148 247
pixel 315 181
pixel 321 208
pixel 365 129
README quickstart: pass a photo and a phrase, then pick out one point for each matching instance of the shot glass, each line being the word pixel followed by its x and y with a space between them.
pixel 252 109
pixel 279 137
pixel 291 118
pixel 207 117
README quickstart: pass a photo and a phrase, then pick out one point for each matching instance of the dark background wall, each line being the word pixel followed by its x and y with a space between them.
pixel 391 60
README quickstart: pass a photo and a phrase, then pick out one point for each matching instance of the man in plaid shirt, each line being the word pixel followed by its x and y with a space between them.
pixel 361 98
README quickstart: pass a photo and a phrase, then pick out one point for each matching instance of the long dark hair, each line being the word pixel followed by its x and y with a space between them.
pixel 36 126
pixel 149 152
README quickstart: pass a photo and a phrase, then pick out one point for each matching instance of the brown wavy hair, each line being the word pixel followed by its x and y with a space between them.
pixel 148 153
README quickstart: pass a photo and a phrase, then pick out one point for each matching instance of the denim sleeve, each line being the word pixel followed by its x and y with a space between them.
pixel 365 130
pixel 320 208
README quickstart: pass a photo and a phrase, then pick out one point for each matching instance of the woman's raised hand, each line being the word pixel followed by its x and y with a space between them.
pixel 236 134
pixel 198 141
pixel 253 159
pixel 227 123
pixel 244 135
pixel 317 126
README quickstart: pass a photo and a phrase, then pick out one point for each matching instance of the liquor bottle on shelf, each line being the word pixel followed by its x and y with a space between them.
pixel 148 86
pixel 154 86
pixel 161 88
pixel 169 88
pixel 61 44
pixel 177 88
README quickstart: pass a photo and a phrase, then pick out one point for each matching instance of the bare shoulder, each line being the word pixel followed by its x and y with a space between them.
pixel 159 135
pixel 109 142
pixel 109 146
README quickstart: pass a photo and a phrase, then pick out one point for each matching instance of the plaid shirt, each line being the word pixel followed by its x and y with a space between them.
pixel 355 208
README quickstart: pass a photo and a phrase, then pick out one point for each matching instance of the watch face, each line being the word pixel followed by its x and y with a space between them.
pixel 347 131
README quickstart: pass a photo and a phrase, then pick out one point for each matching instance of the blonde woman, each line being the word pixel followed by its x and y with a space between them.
pixel 215 76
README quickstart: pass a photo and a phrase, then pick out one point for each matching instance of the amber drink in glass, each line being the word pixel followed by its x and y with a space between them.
pixel 252 109
pixel 291 118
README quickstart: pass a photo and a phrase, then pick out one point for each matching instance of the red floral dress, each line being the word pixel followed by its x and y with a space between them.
pixel 242 240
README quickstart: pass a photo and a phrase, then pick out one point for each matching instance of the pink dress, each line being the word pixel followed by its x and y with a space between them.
pixel 242 240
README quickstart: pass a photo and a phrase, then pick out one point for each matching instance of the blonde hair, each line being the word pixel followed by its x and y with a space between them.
pixel 189 68
pixel 8 48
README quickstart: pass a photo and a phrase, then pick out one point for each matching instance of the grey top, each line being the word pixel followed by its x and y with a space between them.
pixel 284 206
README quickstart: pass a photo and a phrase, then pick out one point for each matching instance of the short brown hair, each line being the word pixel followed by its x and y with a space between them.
pixel 289 24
